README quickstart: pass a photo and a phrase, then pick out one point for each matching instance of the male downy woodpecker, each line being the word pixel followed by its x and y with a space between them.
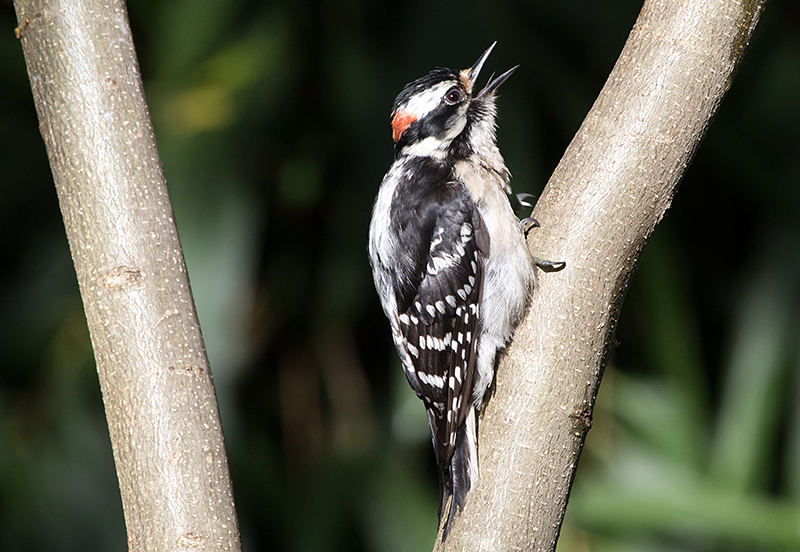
pixel 449 260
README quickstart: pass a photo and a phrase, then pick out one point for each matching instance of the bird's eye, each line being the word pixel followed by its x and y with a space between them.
pixel 453 96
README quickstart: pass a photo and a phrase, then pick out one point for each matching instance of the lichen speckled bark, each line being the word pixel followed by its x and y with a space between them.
pixel 612 187
pixel 158 393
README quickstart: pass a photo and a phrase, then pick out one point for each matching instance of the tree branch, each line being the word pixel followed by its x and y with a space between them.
pixel 612 187
pixel 157 388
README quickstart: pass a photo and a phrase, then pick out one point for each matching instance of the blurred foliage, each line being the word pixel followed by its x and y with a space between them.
pixel 272 122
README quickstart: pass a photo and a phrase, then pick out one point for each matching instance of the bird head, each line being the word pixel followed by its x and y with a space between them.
pixel 440 112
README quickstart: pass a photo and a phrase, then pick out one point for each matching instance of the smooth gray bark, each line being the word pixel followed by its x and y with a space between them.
pixel 612 187
pixel 157 388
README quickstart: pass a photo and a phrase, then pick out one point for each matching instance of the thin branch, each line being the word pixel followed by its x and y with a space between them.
pixel 157 388
pixel 612 187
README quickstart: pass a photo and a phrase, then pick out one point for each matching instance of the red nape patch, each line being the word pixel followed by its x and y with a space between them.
pixel 400 122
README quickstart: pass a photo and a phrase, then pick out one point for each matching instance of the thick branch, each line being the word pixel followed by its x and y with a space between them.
pixel 612 187
pixel 157 389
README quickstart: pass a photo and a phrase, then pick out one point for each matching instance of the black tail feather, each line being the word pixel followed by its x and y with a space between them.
pixel 456 479
pixel 445 492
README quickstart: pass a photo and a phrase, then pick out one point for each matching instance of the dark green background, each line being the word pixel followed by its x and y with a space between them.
pixel 272 121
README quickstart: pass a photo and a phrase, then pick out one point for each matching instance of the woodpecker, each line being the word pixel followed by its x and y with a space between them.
pixel 449 260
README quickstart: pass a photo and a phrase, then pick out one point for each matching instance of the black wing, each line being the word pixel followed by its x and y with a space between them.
pixel 438 312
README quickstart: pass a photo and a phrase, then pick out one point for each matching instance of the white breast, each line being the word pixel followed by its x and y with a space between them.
pixel 509 270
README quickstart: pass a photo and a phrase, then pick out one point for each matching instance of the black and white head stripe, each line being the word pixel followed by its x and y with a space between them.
pixel 425 87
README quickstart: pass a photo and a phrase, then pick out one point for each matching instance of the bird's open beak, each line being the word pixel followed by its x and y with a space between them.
pixel 494 84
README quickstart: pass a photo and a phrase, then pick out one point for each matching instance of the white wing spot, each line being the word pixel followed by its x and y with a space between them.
pixel 437 237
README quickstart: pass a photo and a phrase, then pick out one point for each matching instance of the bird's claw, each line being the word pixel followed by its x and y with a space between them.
pixel 549 266
pixel 527 224
pixel 522 199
